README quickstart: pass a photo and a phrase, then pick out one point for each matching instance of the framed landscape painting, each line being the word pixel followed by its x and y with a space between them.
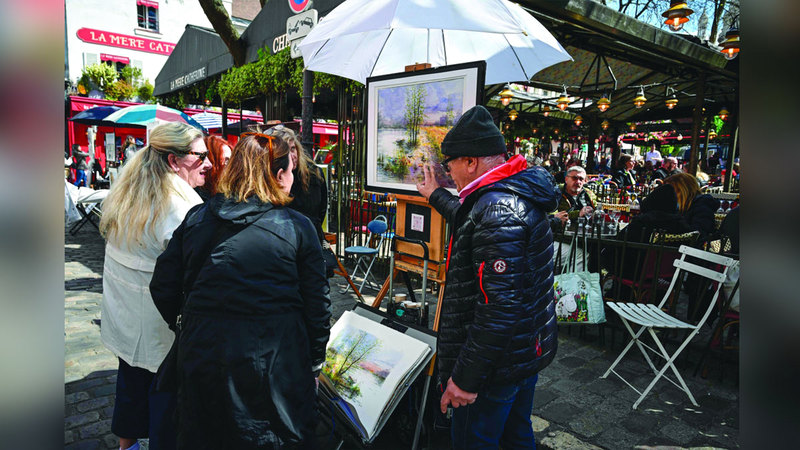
pixel 408 115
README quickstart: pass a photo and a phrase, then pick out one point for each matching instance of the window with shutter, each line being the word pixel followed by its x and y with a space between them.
pixel 90 59
pixel 147 15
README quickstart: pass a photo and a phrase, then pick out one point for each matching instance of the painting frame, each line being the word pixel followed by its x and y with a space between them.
pixel 466 77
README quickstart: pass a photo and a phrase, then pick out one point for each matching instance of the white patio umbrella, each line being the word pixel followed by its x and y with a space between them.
pixel 363 38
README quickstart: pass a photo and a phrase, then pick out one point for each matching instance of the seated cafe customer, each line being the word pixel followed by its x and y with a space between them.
pixel 624 175
pixel 575 201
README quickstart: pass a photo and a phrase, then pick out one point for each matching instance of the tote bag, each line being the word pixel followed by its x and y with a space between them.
pixel 577 294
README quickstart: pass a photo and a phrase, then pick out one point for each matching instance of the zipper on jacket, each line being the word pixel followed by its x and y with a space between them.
pixel 480 281
pixel 449 248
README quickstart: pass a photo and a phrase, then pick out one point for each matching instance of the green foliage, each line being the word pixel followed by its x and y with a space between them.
pixel 99 75
pixel 272 74
pixel 130 74
pixel 145 91
pixel 119 90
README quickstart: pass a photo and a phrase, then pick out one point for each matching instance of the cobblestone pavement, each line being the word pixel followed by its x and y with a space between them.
pixel 573 407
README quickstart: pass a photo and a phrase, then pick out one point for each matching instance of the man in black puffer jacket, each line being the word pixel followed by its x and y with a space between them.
pixel 498 326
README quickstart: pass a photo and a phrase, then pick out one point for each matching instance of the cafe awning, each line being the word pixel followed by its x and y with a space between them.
pixel 199 54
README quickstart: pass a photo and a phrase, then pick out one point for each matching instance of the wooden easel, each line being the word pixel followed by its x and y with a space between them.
pixel 418 246
pixel 421 256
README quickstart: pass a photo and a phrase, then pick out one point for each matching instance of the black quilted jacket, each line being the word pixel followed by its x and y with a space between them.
pixel 498 323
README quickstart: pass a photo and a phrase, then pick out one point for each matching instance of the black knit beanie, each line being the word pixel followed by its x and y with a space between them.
pixel 475 134
pixel 662 199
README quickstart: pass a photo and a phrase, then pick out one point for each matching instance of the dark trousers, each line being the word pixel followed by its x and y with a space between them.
pixel 500 416
pixel 140 412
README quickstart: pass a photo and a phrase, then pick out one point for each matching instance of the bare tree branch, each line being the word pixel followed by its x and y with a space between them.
pixel 718 10
pixel 221 21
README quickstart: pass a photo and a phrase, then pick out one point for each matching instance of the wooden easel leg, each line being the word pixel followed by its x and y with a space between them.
pixel 384 289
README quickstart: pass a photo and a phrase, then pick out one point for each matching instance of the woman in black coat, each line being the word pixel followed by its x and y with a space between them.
pixel 623 176
pixel 698 209
pixel 246 275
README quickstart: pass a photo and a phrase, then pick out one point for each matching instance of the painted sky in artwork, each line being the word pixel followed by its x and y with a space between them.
pixel 438 94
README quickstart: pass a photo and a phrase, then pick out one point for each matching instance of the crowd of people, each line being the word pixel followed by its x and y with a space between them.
pixel 216 295
pixel 202 243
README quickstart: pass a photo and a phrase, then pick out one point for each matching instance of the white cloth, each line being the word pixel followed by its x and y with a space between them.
pixel 131 326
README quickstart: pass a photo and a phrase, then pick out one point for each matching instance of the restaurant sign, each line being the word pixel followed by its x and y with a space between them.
pixel 187 79
pixel 125 41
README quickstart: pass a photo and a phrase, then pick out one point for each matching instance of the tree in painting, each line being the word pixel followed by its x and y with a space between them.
pixel 414 112
pixel 348 351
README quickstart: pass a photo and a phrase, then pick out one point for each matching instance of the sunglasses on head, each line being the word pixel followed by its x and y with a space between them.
pixel 267 142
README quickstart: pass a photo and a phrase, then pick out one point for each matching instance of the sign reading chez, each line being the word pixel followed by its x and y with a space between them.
pixel 125 41
pixel 187 79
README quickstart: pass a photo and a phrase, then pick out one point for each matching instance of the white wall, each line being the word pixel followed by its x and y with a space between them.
pixel 119 16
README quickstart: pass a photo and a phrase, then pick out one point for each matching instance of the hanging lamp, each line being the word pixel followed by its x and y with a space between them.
pixel 563 101
pixel 723 114
pixel 513 114
pixel 640 99
pixel 677 14
pixel 578 120
pixel 671 102
pixel 730 46
pixel 546 110
pixel 603 104
pixel 605 124
pixel 506 95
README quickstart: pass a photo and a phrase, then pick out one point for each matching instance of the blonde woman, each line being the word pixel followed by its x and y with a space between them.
pixel 697 208
pixel 147 202
pixel 246 275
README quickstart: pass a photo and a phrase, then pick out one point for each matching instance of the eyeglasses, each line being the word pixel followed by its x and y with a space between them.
pixel 446 163
pixel 577 178
pixel 267 144
pixel 201 156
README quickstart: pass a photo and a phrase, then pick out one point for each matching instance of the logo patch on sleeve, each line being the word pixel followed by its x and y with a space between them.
pixel 499 266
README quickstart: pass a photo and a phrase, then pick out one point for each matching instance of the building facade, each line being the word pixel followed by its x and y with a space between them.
pixel 140 33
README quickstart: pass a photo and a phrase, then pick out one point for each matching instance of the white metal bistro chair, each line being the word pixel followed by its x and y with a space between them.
pixel 650 317
pixel 377 230
pixel 86 202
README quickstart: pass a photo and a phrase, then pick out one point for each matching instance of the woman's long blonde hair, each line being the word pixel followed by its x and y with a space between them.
pixel 686 189
pixel 250 172
pixel 140 196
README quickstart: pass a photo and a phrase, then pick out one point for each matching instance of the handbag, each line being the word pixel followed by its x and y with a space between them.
pixel 577 294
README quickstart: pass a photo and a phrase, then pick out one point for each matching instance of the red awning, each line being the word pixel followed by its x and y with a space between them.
pixel 147 3
pixel 325 128
pixel 115 58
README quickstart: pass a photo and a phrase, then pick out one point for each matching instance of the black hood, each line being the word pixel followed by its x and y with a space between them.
pixel 241 213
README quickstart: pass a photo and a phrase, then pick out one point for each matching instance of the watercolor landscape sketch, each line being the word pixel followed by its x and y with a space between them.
pixel 408 117
pixel 366 362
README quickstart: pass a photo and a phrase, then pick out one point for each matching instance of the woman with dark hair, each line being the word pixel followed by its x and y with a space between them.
pixel 219 152
pixel 624 176
pixel 309 191
pixel 148 200
pixel 243 280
